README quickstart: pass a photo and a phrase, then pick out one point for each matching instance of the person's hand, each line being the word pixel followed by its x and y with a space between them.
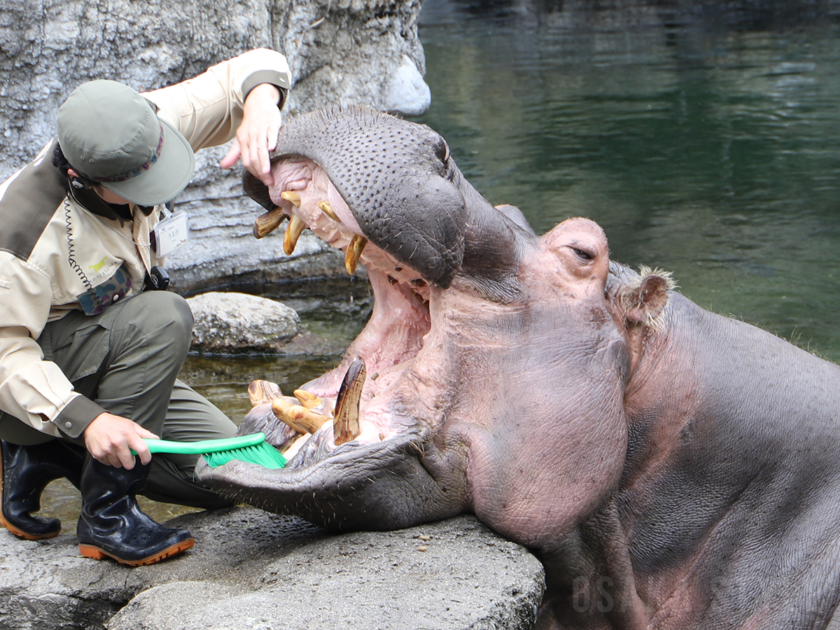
pixel 111 438
pixel 257 135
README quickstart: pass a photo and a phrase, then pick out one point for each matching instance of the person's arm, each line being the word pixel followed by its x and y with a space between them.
pixel 235 98
pixel 33 389
pixel 257 135
pixel 36 391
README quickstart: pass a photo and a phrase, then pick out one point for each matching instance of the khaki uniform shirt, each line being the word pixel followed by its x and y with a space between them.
pixel 38 284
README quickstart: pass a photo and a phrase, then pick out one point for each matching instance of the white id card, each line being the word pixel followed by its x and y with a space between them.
pixel 171 233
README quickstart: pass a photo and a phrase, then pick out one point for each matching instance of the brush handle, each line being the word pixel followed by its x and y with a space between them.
pixel 204 446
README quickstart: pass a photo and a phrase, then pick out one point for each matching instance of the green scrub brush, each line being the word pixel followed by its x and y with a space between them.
pixel 252 449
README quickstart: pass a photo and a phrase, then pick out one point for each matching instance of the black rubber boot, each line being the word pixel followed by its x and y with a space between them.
pixel 111 523
pixel 26 472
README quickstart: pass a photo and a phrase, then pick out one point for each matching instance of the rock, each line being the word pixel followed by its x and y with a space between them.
pixel 408 92
pixel 252 569
pixel 339 51
pixel 230 323
pixel 352 51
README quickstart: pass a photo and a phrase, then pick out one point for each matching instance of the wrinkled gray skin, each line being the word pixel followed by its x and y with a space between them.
pixel 671 468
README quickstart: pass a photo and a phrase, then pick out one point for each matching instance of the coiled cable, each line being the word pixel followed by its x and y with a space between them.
pixel 71 249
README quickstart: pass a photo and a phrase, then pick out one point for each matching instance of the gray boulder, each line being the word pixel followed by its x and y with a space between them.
pixel 252 569
pixel 233 323
pixel 237 322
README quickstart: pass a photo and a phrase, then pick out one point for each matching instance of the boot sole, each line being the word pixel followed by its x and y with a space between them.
pixel 22 534
pixel 16 531
pixel 89 551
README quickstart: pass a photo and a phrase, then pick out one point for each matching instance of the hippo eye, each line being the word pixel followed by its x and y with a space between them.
pixel 584 255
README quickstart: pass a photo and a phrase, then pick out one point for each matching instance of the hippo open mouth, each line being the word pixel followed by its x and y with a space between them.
pixel 387 193
pixel 473 317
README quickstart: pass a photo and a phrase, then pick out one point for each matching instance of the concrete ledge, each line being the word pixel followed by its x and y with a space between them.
pixel 252 569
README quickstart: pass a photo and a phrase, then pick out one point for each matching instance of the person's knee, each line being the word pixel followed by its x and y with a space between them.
pixel 165 316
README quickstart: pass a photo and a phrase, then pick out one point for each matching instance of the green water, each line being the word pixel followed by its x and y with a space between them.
pixel 704 141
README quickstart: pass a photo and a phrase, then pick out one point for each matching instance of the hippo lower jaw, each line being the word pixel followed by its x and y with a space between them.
pixel 348 489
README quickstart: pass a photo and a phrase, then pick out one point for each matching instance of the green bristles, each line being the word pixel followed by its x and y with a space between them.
pixel 262 454
pixel 252 449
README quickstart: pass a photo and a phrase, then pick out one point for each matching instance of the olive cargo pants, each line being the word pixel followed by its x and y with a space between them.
pixel 127 360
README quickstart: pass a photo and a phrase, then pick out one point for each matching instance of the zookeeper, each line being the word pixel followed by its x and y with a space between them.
pixel 91 343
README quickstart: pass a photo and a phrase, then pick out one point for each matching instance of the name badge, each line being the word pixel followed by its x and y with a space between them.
pixel 171 233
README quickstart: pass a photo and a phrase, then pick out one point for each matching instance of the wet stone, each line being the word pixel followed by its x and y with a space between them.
pixel 238 323
pixel 252 569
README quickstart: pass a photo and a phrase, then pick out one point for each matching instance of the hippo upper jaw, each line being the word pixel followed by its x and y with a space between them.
pixel 395 184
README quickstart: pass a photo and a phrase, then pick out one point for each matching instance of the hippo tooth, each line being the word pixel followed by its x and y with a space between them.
pixel 346 425
pixel 260 392
pixel 280 407
pixel 268 222
pixel 299 418
pixel 354 251
pixel 307 399
pixel 293 232
pixel 327 209
pixel 307 419
pixel 292 196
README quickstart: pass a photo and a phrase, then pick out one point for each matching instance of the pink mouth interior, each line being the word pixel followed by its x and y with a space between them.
pixel 401 316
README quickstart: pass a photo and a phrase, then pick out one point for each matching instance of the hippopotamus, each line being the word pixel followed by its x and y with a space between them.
pixel 670 467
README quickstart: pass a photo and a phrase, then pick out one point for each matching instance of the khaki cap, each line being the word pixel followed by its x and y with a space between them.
pixel 112 135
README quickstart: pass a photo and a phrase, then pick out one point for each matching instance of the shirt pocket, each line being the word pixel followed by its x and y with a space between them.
pixel 96 299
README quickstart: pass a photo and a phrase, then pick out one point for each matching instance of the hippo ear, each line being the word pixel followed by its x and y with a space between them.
pixel 644 298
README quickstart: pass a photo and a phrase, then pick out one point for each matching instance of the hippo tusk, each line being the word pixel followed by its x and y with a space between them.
pixel 354 251
pixel 306 399
pixel 293 232
pixel 299 418
pixel 328 210
pixel 346 425
pixel 292 196
pixel 268 222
